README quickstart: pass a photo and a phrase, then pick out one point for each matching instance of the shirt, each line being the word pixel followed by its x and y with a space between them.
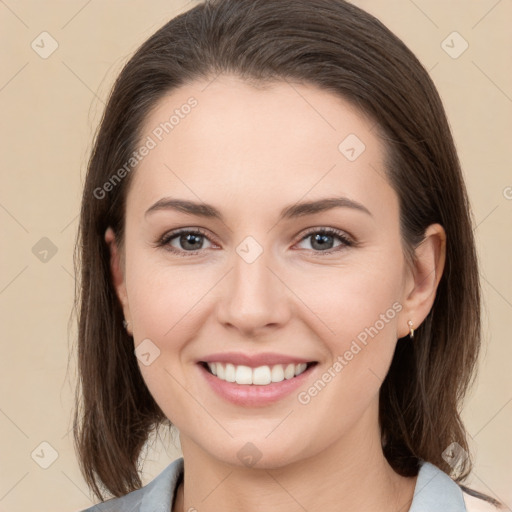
pixel 435 491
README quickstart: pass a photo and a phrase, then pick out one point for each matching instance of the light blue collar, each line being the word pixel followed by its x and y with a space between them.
pixel 434 491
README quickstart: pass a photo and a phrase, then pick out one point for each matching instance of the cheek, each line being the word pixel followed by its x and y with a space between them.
pixel 163 298
pixel 359 308
pixel 362 313
pixel 165 306
pixel 352 300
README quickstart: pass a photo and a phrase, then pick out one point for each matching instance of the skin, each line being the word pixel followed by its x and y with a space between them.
pixel 250 152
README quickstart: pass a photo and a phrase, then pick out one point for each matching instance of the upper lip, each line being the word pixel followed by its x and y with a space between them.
pixel 253 360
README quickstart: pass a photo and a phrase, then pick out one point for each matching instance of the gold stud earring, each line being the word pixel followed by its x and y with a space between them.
pixel 411 333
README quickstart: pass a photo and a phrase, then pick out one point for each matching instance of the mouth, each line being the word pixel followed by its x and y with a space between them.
pixel 258 376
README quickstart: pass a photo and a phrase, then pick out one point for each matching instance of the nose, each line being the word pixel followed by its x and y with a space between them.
pixel 254 297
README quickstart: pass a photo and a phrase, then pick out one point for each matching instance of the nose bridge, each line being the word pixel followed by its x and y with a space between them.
pixel 254 297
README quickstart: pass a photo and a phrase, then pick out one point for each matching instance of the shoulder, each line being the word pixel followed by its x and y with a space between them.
pixel 436 490
pixel 155 496
pixel 474 504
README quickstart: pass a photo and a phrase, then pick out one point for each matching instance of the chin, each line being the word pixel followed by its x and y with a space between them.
pixel 258 452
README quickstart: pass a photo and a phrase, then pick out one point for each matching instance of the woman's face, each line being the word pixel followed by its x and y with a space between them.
pixel 260 284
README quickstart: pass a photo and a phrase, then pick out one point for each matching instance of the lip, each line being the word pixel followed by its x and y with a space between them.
pixel 253 360
pixel 253 395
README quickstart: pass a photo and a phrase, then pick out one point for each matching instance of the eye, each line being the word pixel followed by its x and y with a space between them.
pixel 184 242
pixel 322 240
pixel 190 242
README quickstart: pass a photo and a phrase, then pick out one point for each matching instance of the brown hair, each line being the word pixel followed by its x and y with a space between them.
pixel 342 49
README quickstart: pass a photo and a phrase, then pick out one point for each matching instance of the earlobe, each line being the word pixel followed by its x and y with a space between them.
pixel 429 263
pixel 117 272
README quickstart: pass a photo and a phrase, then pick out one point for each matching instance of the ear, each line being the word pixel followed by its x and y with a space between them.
pixel 423 278
pixel 117 272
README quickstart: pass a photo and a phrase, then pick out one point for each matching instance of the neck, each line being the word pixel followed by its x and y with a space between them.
pixel 350 474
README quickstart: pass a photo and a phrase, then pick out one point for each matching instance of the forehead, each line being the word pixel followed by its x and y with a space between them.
pixel 225 141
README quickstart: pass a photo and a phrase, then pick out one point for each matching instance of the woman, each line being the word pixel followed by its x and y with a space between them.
pixel 277 259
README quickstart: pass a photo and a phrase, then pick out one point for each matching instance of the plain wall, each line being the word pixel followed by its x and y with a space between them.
pixel 50 110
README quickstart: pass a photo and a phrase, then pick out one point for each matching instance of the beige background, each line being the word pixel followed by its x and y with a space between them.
pixel 50 109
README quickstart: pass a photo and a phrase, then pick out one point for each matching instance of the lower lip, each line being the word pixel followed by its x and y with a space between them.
pixel 253 395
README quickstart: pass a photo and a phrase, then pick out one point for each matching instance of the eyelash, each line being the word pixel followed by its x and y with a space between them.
pixel 165 239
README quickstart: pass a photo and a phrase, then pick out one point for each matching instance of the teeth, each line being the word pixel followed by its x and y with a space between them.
pixel 243 375
pixel 277 373
pixel 221 371
pixel 259 376
pixel 289 371
pixel 262 375
pixel 230 374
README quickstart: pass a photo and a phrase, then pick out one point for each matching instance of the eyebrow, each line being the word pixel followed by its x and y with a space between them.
pixel 292 211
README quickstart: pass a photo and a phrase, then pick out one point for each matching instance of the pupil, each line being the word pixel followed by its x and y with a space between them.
pixel 321 239
pixel 189 239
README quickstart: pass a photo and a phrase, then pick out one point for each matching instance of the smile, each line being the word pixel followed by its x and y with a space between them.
pixel 259 376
